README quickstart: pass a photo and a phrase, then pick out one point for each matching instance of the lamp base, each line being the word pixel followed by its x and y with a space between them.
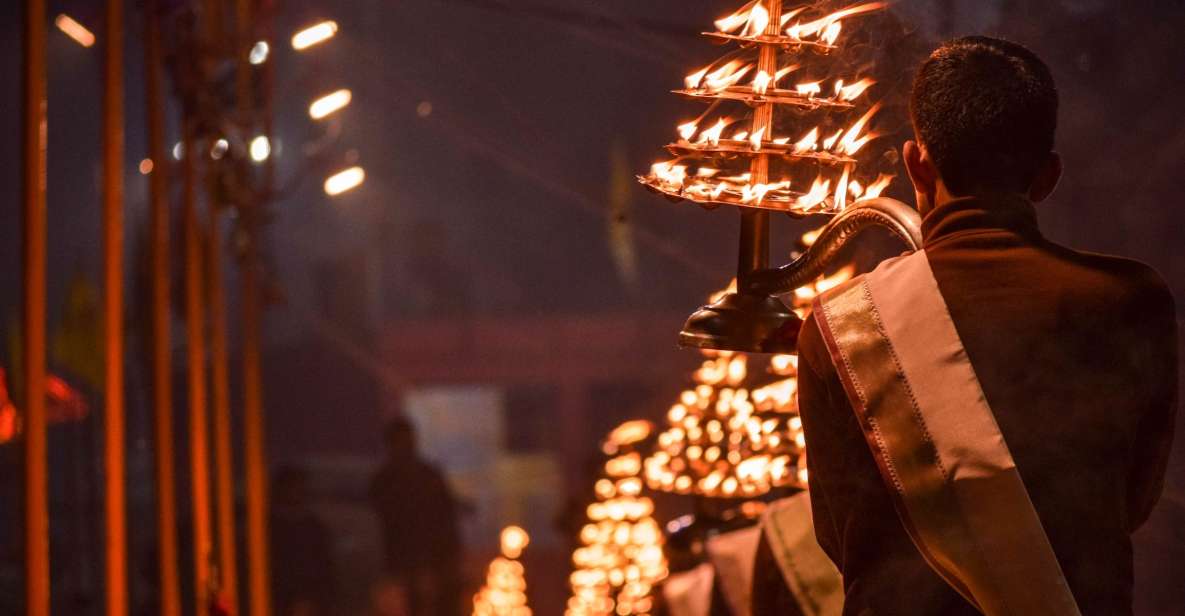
pixel 745 323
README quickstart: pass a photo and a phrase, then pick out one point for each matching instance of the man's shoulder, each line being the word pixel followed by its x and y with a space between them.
pixel 1127 283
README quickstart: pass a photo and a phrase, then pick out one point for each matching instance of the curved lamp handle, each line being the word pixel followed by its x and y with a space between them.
pixel 901 220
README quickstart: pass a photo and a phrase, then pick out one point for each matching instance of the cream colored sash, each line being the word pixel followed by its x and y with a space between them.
pixel 808 571
pixel 936 441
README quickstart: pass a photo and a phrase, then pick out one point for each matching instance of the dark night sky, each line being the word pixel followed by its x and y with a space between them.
pixel 506 184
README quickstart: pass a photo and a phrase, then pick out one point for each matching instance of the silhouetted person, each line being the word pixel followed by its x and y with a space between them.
pixel 418 515
pixel 302 550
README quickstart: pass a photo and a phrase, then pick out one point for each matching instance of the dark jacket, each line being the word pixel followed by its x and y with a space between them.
pixel 1076 353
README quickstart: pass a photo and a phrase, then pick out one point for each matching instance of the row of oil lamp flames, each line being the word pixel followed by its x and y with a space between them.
pixel 707 185
pixel 845 142
pixel 724 78
pixel 752 21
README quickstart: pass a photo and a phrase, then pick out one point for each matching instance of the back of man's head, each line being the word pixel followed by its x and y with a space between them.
pixel 986 111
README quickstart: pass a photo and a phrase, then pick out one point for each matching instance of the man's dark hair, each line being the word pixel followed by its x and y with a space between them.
pixel 986 111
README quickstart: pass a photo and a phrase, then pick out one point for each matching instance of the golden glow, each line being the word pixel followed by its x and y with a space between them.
pixel 345 180
pixel 514 541
pixel 629 433
pixel 312 35
pixel 74 30
pixel 329 104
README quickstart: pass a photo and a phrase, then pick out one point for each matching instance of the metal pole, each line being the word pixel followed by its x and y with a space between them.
pixel 254 427
pixel 113 151
pixel 195 326
pixel 162 376
pixel 223 459
pixel 254 434
pixel 36 465
pixel 754 245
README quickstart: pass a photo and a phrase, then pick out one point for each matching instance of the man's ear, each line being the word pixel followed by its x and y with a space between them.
pixel 922 173
pixel 1047 178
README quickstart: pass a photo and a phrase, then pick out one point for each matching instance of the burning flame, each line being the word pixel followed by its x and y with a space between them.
pixel 687 131
pixel 755 140
pixel 852 141
pixel 875 189
pixel 809 89
pixel 761 82
pixel 717 80
pixel 669 172
pixel 712 135
pixel 818 194
pixel 829 142
pixel 853 91
pixel 827 28
pixel 809 142
pixel 841 189
pixel 753 16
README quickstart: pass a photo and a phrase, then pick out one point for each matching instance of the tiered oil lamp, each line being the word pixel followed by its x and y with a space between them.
pixel 785 154
pixel 504 593
pixel 620 560
pixel 736 433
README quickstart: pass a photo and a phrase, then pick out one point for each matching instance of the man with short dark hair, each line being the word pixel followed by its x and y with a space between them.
pixel 989 418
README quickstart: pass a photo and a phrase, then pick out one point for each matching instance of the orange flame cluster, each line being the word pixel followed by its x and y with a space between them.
pixel 704 144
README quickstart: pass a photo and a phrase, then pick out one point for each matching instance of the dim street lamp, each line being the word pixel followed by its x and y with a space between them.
pixel 343 181
pixel 329 104
pixel 259 52
pixel 74 30
pixel 260 148
pixel 313 35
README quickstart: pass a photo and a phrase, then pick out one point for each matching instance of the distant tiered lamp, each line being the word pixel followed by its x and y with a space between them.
pixel 620 560
pixel 505 590
pixel 772 159
pixel 736 433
